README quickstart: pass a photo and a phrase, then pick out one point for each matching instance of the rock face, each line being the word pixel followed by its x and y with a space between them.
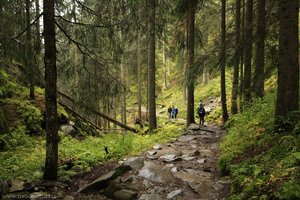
pixel 182 169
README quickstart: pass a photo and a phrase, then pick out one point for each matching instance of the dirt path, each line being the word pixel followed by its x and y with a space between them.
pixel 185 168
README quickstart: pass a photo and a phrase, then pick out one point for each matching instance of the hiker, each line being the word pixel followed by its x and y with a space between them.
pixel 175 112
pixel 201 113
pixel 170 110
pixel 172 113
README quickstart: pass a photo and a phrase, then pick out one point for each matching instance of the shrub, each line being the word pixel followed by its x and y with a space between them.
pixel 31 117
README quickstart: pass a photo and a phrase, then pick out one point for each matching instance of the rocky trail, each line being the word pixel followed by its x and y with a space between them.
pixel 184 168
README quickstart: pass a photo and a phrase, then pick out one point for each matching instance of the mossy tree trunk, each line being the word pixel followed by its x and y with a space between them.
pixel 235 82
pixel 288 68
pixel 51 164
pixel 29 53
pixel 151 66
pixel 248 49
pixel 223 62
pixel 190 68
pixel 259 70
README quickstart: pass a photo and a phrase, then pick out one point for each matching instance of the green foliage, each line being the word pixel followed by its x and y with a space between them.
pixel 289 190
pixel 63 116
pixel 31 117
pixel 27 160
pixel 3 123
pixel 262 163
pixel 28 116
pixel 287 123
pixel 6 87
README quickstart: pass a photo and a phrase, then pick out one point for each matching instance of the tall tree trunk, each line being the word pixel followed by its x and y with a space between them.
pixel 123 98
pixel 259 72
pixel 37 27
pixel 114 99
pixel 242 46
pixel 50 171
pixel 185 55
pixel 164 66
pixel 288 68
pixel 190 68
pixel 37 44
pixel 223 62
pixel 28 57
pixel 248 50
pixel 139 73
pixel 151 63
pixel 235 82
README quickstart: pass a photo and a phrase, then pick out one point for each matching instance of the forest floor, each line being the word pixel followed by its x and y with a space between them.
pixel 184 168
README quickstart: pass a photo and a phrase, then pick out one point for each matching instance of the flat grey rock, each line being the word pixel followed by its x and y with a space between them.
pixel 134 162
pixel 201 161
pixel 125 195
pixel 158 147
pixel 156 173
pixel 186 138
pixel 169 157
pixel 104 180
pixel 174 193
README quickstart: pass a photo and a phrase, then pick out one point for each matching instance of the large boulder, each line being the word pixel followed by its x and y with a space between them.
pixel 103 181
pixel 134 162
pixel 68 130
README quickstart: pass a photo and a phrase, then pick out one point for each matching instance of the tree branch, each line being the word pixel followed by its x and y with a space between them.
pixel 86 25
pixel 83 49
pixel 27 27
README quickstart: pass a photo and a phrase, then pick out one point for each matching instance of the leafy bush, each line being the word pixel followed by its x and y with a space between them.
pixel 6 87
pixel 31 117
pixel 27 161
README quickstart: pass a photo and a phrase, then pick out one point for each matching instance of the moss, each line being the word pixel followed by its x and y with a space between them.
pixel 63 116
pixel 261 161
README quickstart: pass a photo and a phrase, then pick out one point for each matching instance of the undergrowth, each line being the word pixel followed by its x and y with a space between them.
pixel 26 161
pixel 262 163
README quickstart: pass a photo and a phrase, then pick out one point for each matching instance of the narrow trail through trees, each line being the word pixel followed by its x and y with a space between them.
pixel 184 168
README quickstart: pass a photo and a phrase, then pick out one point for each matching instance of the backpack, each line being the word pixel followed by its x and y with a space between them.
pixel 201 111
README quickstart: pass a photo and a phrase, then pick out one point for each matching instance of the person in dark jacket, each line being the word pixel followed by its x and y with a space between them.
pixel 201 113
pixel 175 112
pixel 170 110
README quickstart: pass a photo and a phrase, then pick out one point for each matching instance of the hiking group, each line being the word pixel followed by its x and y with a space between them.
pixel 172 112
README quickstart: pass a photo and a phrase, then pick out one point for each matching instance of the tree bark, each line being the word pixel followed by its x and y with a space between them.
pixel 241 95
pixel 288 68
pixel 235 82
pixel 190 68
pixel 151 63
pixel 223 62
pixel 139 71
pixel 259 72
pixel 37 27
pixel 248 50
pixel 50 171
pixel 28 57
pixel 164 65
pixel 123 98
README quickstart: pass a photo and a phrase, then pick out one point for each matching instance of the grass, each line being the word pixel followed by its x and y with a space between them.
pixel 26 161
pixel 262 164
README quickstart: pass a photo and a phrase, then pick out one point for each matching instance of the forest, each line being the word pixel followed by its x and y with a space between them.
pixel 149 99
